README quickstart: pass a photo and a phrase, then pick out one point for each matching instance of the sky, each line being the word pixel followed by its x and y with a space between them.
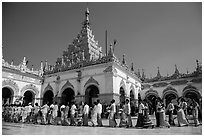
pixel 150 35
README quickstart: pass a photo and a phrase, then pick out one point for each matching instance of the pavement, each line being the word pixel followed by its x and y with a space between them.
pixel 31 129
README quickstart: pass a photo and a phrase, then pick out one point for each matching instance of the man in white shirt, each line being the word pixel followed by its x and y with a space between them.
pixel 127 112
pixel 55 111
pixel 170 109
pixel 28 111
pixel 62 108
pixel 99 111
pixel 85 114
pixel 45 109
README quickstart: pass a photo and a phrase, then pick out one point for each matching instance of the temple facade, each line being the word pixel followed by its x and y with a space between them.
pixel 85 73
pixel 174 87
pixel 19 83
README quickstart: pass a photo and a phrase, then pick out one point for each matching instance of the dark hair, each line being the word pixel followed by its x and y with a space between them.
pixel 127 100
pixel 98 100
pixel 36 104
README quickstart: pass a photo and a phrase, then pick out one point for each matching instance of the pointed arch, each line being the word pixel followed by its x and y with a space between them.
pixel 91 80
pixel 66 85
pixel 191 92
pixel 132 89
pixel 122 84
pixel 10 84
pixel 169 88
pixel 30 87
pixel 48 87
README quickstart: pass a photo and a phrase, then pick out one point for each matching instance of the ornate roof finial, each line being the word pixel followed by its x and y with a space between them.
pixel 158 73
pixel 41 68
pixel 143 75
pixel 198 66
pixel 41 65
pixel 24 61
pixel 176 70
pixel 63 63
pixel 86 22
pixel 110 53
pixel 132 67
pixel 46 65
pixel 123 61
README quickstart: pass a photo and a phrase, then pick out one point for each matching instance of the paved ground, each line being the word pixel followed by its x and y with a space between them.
pixel 31 129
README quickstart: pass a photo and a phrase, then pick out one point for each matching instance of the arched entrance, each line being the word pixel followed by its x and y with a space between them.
pixel 151 99
pixel 48 97
pixel 192 95
pixel 168 97
pixel 122 95
pixel 68 95
pixel 91 94
pixel 28 97
pixel 7 95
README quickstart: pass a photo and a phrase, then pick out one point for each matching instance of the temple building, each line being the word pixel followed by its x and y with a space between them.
pixel 85 73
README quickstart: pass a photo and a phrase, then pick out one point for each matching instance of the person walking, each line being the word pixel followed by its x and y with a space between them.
pixel 66 112
pixel 127 113
pixel 181 117
pixel 99 111
pixel 85 114
pixel 140 115
pixel 36 110
pixel 195 107
pixel 183 105
pixel 72 114
pixel 94 115
pixel 146 120
pixel 157 113
pixel 62 108
pixel 162 117
pixel 123 119
pixel 170 110
pixel 54 112
pixel 112 121
pixel 44 109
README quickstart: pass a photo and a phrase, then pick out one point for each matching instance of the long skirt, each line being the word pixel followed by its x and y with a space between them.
pixel 94 119
pixel 24 116
pixel 85 120
pixel 157 119
pixel 195 116
pixel 139 120
pixel 99 120
pixel 123 120
pixel 163 122
pixel 44 118
pixel 66 121
pixel 112 121
pixel 72 120
pixel 181 118
pixel 129 121
pixel 171 118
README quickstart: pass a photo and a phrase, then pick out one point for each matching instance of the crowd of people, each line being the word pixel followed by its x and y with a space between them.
pixel 80 114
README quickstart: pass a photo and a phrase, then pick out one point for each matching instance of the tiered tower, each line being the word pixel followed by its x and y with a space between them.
pixel 83 47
